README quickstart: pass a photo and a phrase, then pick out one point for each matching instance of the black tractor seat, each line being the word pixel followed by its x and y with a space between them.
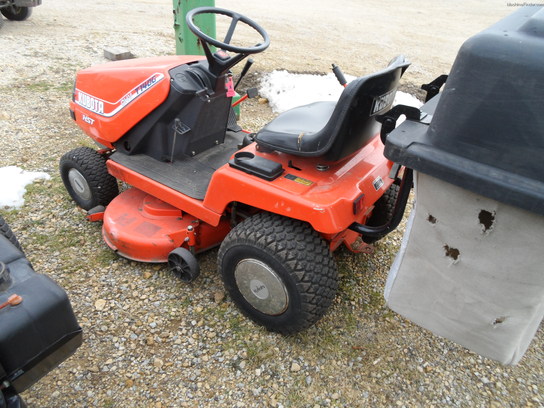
pixel 335 130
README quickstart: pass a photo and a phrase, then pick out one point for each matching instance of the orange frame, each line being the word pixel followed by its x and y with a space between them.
pixel 330 201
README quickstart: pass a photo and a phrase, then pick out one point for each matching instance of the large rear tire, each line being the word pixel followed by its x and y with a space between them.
pixel 16 13
pixel 85 176
pixel 279 272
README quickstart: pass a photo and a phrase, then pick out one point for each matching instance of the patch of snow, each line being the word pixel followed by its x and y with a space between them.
pixel 403 98
pixel 13 182
pixel 285 90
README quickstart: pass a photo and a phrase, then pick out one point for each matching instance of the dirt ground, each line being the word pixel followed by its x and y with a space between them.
pixel 307 35
pixel 153 341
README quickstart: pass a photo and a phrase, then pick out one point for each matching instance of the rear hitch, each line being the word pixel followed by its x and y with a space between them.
pixel 398 211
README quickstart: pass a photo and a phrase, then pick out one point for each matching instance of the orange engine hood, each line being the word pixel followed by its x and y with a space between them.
pixel 109 99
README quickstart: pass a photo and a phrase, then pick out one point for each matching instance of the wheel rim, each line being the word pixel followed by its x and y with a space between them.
pixel 79 184
pixel 261 287
pixel 179 267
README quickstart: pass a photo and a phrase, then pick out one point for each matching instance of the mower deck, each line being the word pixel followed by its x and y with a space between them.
pixel 144 228
pixel 190 175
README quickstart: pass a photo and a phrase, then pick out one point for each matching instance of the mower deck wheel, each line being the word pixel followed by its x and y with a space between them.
pixel 16 13
pixel 85 176
pixel 183 264
pixel 278 271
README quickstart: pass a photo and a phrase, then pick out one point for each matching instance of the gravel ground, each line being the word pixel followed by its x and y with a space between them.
pixel 152 341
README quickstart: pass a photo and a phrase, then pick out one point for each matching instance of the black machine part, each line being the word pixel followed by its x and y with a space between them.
pixel 337 71
pixel 246 68
pixel 398 211
pixel 9 399
pixel 39 332
pixel 256 165
pixel 192 119
pixel 487 129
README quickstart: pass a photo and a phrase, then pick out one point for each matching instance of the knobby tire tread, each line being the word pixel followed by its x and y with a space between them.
pixel 103 184
pixel 301 249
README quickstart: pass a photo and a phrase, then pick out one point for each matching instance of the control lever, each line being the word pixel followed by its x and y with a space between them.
pixel 248 65
pixel 251 93
pixel 339 75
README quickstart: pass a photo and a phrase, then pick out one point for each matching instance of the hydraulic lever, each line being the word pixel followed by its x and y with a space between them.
pixel 247 65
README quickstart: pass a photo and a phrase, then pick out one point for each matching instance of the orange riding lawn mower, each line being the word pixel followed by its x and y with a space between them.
pixel 278 202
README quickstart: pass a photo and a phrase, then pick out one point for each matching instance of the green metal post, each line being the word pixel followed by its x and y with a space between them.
pixel 186 41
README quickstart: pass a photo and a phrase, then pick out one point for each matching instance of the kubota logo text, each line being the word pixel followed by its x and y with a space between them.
pixel 90 103
pixel 383 101
pixel 108 109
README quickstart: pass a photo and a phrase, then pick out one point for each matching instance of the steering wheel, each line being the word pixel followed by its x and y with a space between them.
pixel 221 62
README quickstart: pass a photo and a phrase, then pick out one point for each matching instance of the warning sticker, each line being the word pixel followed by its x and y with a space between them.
pixel 299 180
pixel 378 183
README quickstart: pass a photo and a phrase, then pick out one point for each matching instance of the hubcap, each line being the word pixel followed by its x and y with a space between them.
pixel 79 184
pixel 261 287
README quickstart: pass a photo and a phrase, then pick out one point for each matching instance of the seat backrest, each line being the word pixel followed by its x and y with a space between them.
pixel 353 122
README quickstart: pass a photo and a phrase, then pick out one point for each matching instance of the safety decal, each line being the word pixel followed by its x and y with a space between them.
pixel 377 183
pixel 108 109
pixel 299 180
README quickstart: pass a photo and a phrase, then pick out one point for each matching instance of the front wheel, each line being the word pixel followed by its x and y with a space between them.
pixel 16 13
pixel 85 176
pixel 279 272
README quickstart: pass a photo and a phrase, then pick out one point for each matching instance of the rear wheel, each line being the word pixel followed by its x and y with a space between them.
pixel 16 13
pixel 85 176
pixel 279 272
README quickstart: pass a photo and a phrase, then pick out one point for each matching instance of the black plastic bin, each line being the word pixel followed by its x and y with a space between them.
pixel 470 266
pixel 38 330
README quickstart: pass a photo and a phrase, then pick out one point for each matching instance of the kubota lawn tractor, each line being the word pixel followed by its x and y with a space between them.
pixel 278 201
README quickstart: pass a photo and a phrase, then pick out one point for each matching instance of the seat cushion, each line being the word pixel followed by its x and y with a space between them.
pixel 286 132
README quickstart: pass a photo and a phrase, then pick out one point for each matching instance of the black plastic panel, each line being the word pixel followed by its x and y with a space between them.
pixel 40 332
pixel 256 165
pixel 192 119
